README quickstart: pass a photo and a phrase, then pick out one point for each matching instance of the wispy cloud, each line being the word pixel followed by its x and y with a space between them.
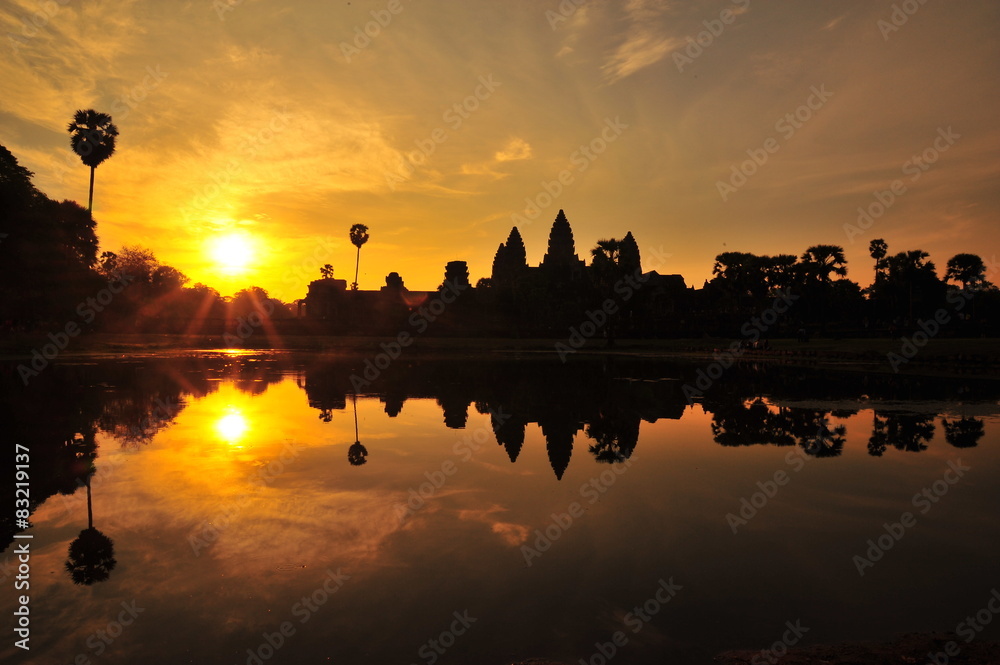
pixel 644 42
pixel 515 149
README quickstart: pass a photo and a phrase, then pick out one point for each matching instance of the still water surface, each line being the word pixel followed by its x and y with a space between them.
pixel 465 511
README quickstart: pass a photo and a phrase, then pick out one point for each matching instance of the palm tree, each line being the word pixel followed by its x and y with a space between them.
pixel 326 272
pixel 357 454
pixel 878 249
pixel 359 236
pixel 91 556
pixel 606 261
pixel 823 260
pixel 92 137
pixel 968 269
pixel 606 268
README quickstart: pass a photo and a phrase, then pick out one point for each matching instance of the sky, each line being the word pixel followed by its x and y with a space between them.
pixel 254 133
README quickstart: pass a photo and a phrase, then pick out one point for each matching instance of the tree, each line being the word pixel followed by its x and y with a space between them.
pixel 607 269
pixel 911 279
pixel 91 556
pixel 137 263
pixel 820 261
pixel 780 272
pixel 359 236
pixel 326 272
pixel 968 269
pixel 357 454
pixel 878 249
pixel 92 137
pixel 166 279
pixel 606 257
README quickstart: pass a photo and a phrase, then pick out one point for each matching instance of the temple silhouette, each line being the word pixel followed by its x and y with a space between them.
pixel 517 298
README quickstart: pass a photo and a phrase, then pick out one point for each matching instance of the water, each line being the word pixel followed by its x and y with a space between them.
pixel 248 526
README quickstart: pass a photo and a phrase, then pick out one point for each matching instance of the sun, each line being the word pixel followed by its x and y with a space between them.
pixel 232 426
pixel 232 253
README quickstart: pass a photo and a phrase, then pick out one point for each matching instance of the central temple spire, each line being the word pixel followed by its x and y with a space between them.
pixel 562 248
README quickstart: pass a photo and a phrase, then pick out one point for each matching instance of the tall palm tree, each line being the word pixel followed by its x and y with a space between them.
pixel 92 137
pixel 359 236
pixel 357 454
pixel 91 556
pixel 878 249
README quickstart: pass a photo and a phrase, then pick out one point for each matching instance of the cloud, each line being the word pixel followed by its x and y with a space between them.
pixel 644 43
pixel 515 149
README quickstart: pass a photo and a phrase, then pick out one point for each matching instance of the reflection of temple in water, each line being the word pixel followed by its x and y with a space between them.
pixel 599 402
pixel 563 401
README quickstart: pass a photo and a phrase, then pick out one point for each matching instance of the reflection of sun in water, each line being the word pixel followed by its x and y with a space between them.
pixel 232 253
pixel 232 426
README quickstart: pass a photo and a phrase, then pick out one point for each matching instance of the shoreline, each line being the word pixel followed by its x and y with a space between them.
pixel 978 357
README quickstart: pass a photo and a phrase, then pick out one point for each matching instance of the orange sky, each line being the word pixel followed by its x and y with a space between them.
pixel 278 121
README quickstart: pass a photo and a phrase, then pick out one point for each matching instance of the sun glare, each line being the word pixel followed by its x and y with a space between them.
pixel 232 253
pixel 231 426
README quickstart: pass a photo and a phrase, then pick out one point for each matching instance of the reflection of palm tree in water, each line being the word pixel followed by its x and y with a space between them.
pixel 827 442
pixel 908 432
pixel 357 454
pixel 92 554
pixel 964 432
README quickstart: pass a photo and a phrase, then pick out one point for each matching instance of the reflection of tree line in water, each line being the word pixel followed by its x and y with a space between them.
pixel 60 413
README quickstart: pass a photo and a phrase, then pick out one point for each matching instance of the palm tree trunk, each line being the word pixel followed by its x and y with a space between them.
pixel 357 264
pixel 354 401
pixel 90 507
pixel 90 203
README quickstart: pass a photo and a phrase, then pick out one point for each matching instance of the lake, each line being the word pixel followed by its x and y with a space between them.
pixel 285 508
